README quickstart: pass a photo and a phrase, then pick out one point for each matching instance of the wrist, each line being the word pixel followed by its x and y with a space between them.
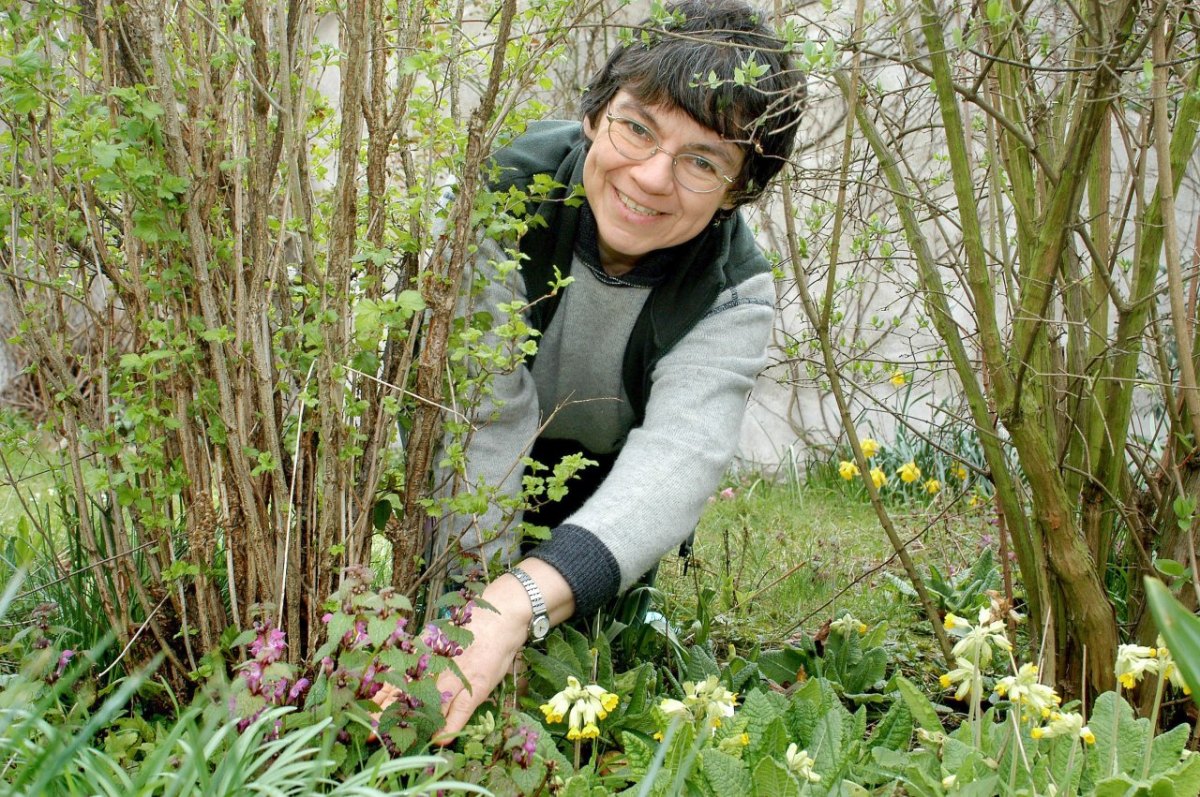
pixel 539 619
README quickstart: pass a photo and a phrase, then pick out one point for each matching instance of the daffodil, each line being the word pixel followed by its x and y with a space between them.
pixel 878 477
pixel 799 762
pixel 847 470
pixel 870 447
pixel 898 378
pixel 933 486
pixel 1036 700
pixel 909 472
pixel 582 706
pixel 1135 661
pixel 959 472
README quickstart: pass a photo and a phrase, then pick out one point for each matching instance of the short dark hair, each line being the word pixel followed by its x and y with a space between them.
pixel 687 57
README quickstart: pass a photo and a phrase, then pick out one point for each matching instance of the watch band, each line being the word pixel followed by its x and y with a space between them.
pixel 539 625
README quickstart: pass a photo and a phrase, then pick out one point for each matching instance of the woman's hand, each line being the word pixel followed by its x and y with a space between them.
pixel 499 634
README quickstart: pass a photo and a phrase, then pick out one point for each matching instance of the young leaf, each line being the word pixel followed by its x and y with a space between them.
pixel 1181 630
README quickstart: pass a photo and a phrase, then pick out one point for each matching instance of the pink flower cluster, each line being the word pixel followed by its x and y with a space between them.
pixel 266 681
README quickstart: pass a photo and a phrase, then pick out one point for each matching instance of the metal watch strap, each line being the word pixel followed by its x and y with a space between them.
pixel 539 624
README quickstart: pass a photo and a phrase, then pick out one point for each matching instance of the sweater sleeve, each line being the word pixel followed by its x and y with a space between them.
pixel 503 421
pixel 652 499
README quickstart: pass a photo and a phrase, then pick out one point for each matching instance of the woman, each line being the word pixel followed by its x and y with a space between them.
pixel 645 360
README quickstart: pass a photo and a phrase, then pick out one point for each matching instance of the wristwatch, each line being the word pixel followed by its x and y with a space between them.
pixel 539 626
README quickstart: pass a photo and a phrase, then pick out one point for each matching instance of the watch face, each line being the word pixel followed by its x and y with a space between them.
pixel 540 627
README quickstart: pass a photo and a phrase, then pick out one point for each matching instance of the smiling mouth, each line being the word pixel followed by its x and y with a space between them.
pixel 641 210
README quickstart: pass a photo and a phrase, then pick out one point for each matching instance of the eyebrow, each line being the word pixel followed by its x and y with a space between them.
pixel 721 151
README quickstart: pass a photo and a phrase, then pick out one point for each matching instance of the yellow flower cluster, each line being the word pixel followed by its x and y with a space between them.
pixel 708 699
pixel 909 472
pixel 1135 661
pixel 582 705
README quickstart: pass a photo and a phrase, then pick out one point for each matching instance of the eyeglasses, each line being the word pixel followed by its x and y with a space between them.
pixel 637 142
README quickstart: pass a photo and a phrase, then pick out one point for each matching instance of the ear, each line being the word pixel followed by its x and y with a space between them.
pixel 589 129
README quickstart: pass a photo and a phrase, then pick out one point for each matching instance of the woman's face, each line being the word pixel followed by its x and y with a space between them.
pixel 639 205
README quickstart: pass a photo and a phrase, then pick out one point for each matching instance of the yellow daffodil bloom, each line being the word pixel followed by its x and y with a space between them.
pixel 909 472
pixel 870 447
pixel 847 470
pixel 878 477
pixel 959 472
pixel 933 486
pixel 898 378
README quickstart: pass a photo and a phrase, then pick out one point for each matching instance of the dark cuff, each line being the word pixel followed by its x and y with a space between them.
pixel 586 563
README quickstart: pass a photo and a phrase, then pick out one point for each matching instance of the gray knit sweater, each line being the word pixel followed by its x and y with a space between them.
pixel 666 468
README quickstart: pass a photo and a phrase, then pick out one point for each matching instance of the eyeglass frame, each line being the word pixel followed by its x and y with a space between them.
pixel 658 147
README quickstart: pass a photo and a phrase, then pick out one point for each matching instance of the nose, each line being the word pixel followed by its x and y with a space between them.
pixel 656 174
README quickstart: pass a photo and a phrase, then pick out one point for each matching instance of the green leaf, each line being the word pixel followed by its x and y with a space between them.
pixel 772 779
pixel 725 773
pixel 920 706
pixel 894 731
pixel 1181 630
pixel 1120 739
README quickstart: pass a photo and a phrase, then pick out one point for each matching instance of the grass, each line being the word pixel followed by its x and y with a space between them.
pixel 778 559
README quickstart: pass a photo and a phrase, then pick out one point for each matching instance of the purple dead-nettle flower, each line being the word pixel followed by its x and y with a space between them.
pixel 281 688
pixel 523 752
pixel 269 645
pixel 415 672
pixel 252 673
pixel 461 615
pixel 64 659
pixel 356 636
pixel 439 643
pixel 327 618
pixel 399 636
pixel 298 689
pixel 327 665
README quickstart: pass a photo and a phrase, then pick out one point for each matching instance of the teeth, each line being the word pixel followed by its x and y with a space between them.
pixel 635 207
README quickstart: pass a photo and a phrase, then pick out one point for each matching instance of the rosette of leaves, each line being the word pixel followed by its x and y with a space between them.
pixel 1126 759
pixel 962 593
pixel 855 664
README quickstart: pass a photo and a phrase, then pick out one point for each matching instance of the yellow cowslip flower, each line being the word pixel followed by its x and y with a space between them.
pixel 933 486
pixel 1065 724
pixel 959 472
pixel 1134 661
pixel 870 447
pixel 966 675
pixel 847 470
pixel 1167 662
pixel 582 706
pixel 1036 700
pixel 847 624
pixel 898 378
pixel 708 699
pixel 878 477
pixel 799 762
pixel 976 641
pixel 909 472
